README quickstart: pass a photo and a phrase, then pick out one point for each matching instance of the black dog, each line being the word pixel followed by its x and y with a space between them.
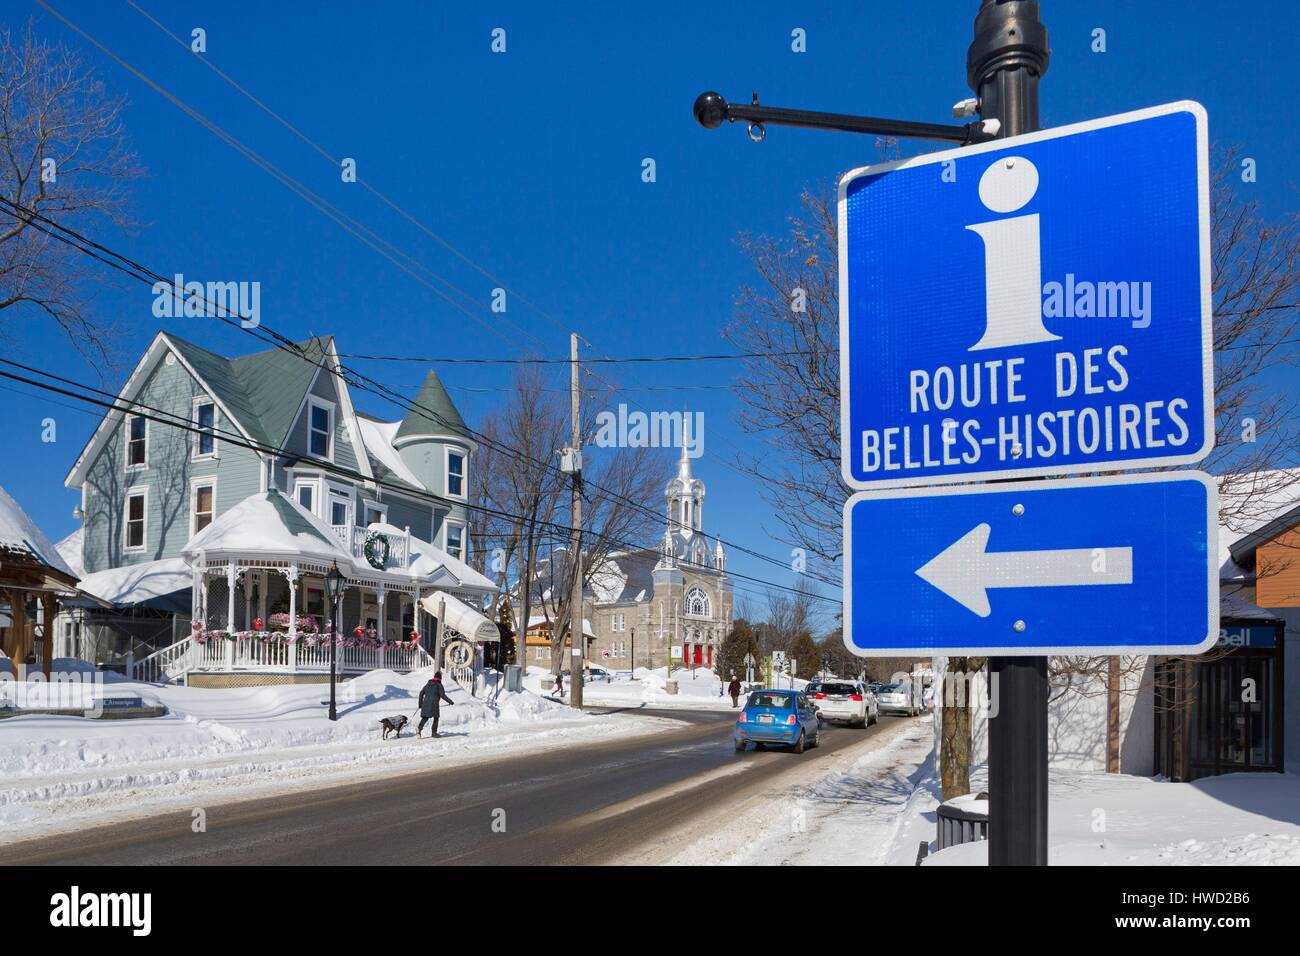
pixel 393 724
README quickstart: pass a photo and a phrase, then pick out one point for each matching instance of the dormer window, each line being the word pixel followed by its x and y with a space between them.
pixel 137 441
pixel 455 474
pixel 320 429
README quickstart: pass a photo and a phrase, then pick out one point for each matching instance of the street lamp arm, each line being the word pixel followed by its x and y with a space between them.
pixel 711 110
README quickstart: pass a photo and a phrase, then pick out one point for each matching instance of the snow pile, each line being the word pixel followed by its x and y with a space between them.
pixel 1099 819
pixel 203 723
pixel 647 688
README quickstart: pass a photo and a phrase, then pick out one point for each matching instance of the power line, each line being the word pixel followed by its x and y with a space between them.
pixel 342 218
pixel 268 335
pixel 173 420
pixel 430 360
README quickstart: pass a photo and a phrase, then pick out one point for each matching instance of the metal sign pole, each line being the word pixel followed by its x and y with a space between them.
pixel 1004 64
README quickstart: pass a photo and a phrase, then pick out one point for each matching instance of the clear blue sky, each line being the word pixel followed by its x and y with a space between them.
pixel 529 162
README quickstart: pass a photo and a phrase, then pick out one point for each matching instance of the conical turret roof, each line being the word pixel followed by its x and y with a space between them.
pixel 432 413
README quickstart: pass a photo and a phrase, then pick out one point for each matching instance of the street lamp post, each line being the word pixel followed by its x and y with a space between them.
pixel 334 587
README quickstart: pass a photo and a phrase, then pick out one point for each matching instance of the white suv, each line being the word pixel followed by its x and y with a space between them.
pixel 847 700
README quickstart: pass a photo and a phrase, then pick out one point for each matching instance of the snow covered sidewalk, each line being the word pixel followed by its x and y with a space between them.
pixel 703 691
pixel 1099 819
pixel 215 745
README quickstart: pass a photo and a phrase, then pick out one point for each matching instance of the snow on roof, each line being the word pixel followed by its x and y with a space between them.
pixel 535 619
pixel 462 618
pixel 268 522
pixel 429 560
pixel 18 532
pixel 377 436
pixel 137 583
pixel 70 549
pixel 1233 604
pixel 1249 511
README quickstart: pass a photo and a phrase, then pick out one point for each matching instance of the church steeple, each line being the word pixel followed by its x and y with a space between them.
pixel 684 496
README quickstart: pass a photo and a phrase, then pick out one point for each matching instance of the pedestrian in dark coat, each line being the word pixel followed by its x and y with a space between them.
pixel 559 685
pixel 734 690
pixel 431 696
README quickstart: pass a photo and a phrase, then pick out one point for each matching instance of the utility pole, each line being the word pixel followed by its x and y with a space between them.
pixel 1005 61
pixel 576 638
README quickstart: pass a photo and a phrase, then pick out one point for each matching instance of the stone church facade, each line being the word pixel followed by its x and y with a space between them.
pixel 678 595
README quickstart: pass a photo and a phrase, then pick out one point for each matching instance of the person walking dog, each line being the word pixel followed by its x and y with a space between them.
pixel 432 695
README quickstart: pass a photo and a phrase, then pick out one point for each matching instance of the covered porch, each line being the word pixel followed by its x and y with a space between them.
pixel 260 601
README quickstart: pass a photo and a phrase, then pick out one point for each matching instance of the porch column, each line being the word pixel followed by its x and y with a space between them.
pixel 17 640
pixel 51 608
pixel 292 576
pixel 381 599
pixel 231 577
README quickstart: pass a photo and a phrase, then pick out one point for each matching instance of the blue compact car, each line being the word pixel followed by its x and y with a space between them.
pixel 784 717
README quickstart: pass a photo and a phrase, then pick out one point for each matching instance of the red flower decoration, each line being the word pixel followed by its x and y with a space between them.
pixel 257 624
pixel 359 631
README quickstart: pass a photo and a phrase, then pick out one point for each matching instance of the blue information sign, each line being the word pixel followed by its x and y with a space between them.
pixel 1116 565
pixel 1031 306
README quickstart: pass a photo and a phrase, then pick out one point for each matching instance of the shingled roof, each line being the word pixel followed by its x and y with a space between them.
pixel 432 412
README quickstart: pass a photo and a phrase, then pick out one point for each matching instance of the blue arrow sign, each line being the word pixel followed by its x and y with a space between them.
pixel 1033 306
pixel 1118 565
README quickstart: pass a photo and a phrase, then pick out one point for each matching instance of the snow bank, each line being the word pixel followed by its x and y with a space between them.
pixel 205 722
pixel 1099 819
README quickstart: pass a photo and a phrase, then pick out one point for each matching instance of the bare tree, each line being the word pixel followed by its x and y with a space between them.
pixel 63 154
pixel 522 485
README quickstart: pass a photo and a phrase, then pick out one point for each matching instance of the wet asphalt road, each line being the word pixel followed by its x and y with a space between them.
pixel 584 804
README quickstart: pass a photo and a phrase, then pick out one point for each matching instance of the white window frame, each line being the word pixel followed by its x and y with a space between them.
pixel 195 485
pixel 126 454
pixel 708 602
pixel 329 407
pixel 127 547
pixel 447 452
pixel 333 493
pixel 314 485
pixel 367 505
pixel 447 523
pixel 195 454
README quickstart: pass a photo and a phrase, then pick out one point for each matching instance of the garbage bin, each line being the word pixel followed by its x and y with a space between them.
pixel 514 678
pixel 963 819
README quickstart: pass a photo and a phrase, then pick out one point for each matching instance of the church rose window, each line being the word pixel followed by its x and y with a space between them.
pixel 697 603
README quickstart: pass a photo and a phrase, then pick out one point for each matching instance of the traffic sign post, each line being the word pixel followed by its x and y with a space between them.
pixel 1081 566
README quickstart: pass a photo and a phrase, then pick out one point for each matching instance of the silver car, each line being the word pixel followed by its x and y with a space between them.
pixel 899 699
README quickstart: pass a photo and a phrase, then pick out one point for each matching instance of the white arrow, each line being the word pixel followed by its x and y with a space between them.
pixel 965 570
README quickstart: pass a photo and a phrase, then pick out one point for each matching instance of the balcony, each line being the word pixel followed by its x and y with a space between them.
pixel 353 539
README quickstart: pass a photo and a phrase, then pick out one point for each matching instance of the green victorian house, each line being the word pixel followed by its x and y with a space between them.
pixel 220 492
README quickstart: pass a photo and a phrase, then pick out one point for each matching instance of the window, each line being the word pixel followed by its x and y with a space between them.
pixel 305 492
pixel 137 441
pixel 541 654
pixel 205 504
pixel 375 513
pixel 135 521
pixel 456 540
pixel 339 510
pixel 697 603
pixel 320 438
pixel 455 474
pixel 205 419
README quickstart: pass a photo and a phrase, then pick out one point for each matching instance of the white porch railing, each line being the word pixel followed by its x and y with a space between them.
pixel 219 655
pixel 353 538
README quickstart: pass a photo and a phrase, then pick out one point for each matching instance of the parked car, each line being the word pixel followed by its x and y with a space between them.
pixel 783 717
pixel 847 700
pixel 898 699
pixel 591 674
